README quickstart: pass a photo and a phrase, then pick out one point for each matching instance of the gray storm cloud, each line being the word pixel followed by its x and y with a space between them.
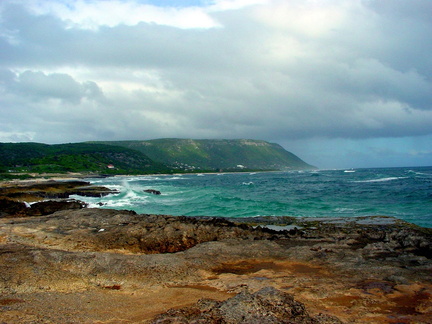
pixel 275 70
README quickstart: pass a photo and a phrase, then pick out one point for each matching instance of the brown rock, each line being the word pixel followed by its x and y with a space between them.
pixel 74 265
pixel 11 208
pixel 53 190
pixel 266 306
pixel 50 207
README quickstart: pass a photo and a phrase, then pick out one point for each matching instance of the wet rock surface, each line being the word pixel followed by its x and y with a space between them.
pixel 40 190
pixel 46 197
pixel 153 191
pixel 73 265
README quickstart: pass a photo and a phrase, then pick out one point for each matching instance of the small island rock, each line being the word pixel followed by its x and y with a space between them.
pixel 153 191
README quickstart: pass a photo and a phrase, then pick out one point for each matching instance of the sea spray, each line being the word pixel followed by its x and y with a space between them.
pixel 405 193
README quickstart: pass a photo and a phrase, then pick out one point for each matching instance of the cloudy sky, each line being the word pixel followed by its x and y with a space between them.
pixel 341 83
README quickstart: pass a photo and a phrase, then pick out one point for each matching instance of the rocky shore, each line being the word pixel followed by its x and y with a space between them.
pixel 72 264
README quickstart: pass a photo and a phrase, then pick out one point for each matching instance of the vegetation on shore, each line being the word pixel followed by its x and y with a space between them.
pixel 213 154
pixel 19 160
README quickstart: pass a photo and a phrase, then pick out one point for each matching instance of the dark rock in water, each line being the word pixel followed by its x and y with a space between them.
pixel 266 306
pixel 50 207
pixel 153 191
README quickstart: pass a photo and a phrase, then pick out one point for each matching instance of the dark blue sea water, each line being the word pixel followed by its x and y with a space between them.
pixel 405 193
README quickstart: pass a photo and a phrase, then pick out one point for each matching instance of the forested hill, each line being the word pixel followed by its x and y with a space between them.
pixel 146 157
pixel 77 157
pixel 227 155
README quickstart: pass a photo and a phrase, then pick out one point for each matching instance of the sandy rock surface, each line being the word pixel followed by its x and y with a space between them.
pixel 107 266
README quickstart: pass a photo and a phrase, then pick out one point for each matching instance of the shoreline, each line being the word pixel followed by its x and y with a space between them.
pixel 78 177
pixel 373 269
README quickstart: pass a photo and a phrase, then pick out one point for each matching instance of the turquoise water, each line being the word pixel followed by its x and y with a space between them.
pixel 405 193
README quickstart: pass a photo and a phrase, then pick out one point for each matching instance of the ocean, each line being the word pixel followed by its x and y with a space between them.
pixel 405 193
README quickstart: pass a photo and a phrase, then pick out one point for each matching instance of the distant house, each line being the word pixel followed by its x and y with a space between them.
pixel 240 166
pixel 110 166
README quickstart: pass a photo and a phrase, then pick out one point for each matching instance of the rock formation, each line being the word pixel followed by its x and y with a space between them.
pixel 266 306
pixel 45 197
pixel 153 191
pixel 90 265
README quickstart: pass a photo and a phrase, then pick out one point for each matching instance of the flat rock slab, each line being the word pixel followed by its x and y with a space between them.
pixel 74 265
pixel 42 190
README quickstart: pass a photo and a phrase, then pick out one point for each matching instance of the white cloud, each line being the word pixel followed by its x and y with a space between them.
pixel 91 14
pixel 222 5
pixel 277 70
pixel 14 137
pixel 306 18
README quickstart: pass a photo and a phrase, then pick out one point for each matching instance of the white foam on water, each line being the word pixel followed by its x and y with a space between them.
pixel 344 210
pixel 93 205
pixel 114 187
pixel 420 173
pixel 382 179
pixel 130 194
pixel 250 183
pixel 117 203
pixel 174 178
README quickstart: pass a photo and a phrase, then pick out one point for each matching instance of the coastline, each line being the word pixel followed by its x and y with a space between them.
pixel 45 177
pixel 370 269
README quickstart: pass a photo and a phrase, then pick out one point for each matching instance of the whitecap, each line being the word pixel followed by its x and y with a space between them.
pixel 118 203
pixel 344 210
pixel 130 194
pixel 381 179
pixel 419 173
pixel 113 186
pixel 174 178
pixel 93 205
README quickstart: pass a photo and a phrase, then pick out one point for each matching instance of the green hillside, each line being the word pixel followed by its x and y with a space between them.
pixel 146 157
pixel 192 155
pixel 78 157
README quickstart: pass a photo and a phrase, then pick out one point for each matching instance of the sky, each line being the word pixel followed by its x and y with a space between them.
pixel 340 83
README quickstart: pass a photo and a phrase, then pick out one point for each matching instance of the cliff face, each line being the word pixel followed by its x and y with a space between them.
pixel 191 154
